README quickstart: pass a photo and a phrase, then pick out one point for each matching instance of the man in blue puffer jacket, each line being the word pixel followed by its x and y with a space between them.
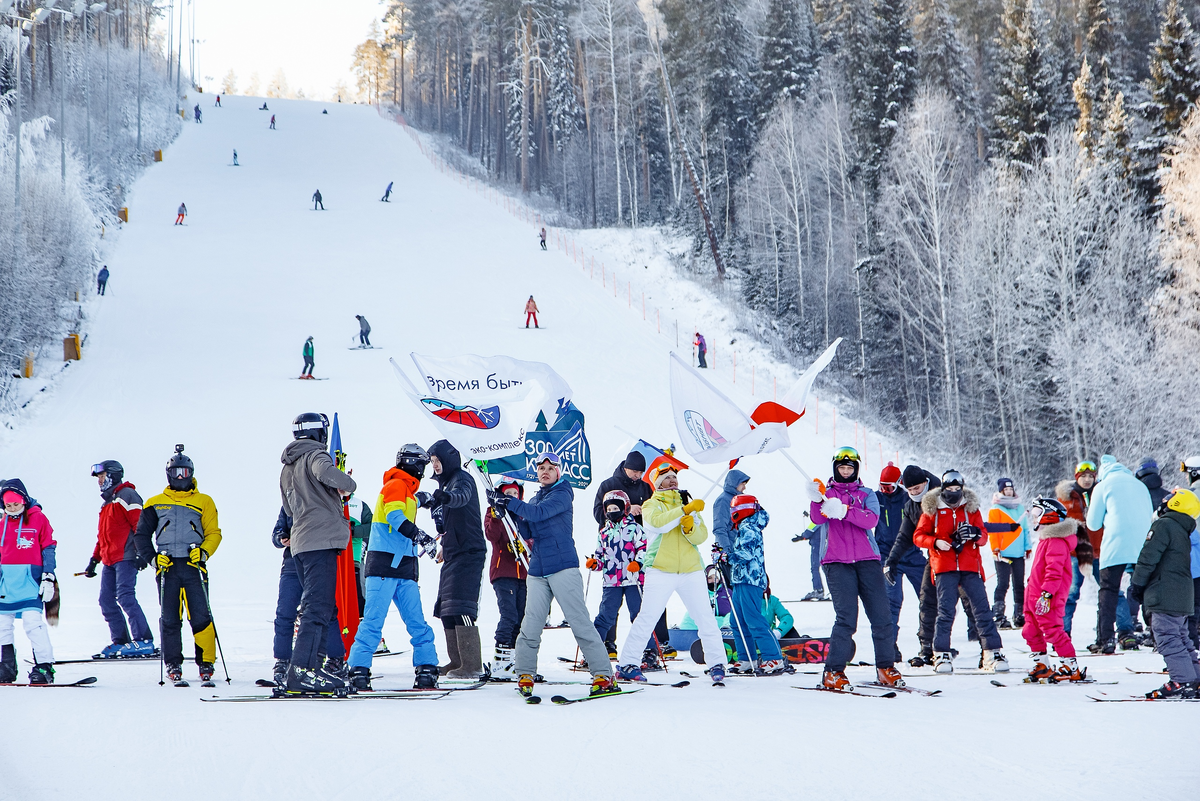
pixel 722 528
pixel 1121 506
pixel 547 520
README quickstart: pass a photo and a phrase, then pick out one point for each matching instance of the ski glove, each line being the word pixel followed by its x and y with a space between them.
pixel 1137 592
pixel 1042 607
pixel 423 500
pixel 591 563
pixel 90 570
pixel 498 500
pixel 687 524
pixel 439 516
pixel 694 506
pixel 633 567
pixel 815 494
pixel 439 497
pixel 425 544
pixel 46 590
pixel 163 561
pixel 941 545
pixel 833 508
pixel 140 562
pixel 197 557
pixel 891 574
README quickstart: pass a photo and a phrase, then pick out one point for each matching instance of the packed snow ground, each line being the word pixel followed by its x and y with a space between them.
pixel 198 341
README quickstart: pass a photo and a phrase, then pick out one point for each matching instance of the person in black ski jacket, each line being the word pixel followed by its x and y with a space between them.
pixel 456 513
pixel 102 280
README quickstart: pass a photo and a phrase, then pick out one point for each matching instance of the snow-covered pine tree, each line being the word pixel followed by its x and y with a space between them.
pixel 1115 136
pixel 942 60
pixel 1097 35
pixel 1174 87
pixel 1020 111
pixel 789 55
pixel 1089 89
pixel 896 56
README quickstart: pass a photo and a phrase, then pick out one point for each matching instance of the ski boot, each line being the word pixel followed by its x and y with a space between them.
pixel 943 663
pixel 111 651
pixel 42 673
pixel 1069 671
pixel 650 661
pixel 279 672
pixel 1128 641
pixel 336 667
pixel 815 595
pixel 502 664
pixel 1172 689
pixel 1018 621
pixel 1002 622
pixel 836 680
pixel 924 659
pixel 736 668
pixel 1041 672
pixel 717 674
pixel 771 667
pixel 174 672
pixel 525 685
pixel 669 653
pixel 603 685
pixel 630 673
pixel 995 662
pixel 8 664
pixel 206 674
pixel 360 679
pixel 313 681
pixel 426 678
pixel 136 649
pixel 1107 647
pixel 889 676
pixel 613 654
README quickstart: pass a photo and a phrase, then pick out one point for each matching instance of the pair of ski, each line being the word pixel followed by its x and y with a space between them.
pixel 279 694
pixel 1025 683
pixel 1144 698
pixel 560 700
pixel 80 683
pixel 154 657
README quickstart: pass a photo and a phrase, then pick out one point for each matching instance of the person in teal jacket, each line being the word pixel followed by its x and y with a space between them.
pixel 1121 506
pixel 778 617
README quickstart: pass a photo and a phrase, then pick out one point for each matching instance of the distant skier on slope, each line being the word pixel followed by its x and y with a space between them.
pixel 701 349
pixel 235 161
pixel 317 200
pixel 179 215
pixel 387 192
pixel 196 111
pixel 263 107
pixel 364 331
pixel 218 103
pixel 542 237
pixel 531 310
pixel 272 119
pixel 102 280
pixel 306 372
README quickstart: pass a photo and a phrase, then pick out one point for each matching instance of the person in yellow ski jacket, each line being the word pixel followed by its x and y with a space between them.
pixel 673 566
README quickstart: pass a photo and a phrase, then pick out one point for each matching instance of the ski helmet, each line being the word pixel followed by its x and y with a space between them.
pixel 1183 501
pixel 503 485
pixel 311 425
pixel 181 473
pixel 743 506
pixel 846 456
pixel 412 459
pixel 112 471
pixel 618 498
pixel 1086 466
pixel 952 487
pixel 1049 511
pixel 1191 466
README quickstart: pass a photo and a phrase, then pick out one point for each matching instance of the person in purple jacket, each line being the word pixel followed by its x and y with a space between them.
pixel 850 556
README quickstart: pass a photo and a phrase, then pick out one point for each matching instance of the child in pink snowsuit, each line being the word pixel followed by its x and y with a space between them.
pixel 1046 593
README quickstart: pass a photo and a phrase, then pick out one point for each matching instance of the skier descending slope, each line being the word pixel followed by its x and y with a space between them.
pixel 181 214
pixel 313 489
pixel 392 573
pixel 387 193
pixel 547 520
pixel 531 311
pixel 178 531
pixel 28 589
pixel 364 331
pixel 306 371
pixel 673 566
pixel 116 552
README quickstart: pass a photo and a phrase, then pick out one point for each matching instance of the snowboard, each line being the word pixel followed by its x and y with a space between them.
pixel 796 650
pixel 298 378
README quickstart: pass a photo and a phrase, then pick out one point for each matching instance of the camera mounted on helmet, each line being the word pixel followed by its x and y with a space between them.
pixel 412 459
pixel 181 473
pixel 311 425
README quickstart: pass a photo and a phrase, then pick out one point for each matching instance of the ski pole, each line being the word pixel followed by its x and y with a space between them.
pixel 212 620
pixel 161 578
pixel 736 618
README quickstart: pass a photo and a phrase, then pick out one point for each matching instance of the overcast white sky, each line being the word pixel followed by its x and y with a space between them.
pixel 312 40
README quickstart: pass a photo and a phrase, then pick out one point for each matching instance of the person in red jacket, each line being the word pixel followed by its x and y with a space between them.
pixel 508 582
pixel 951 528
pixel 118 578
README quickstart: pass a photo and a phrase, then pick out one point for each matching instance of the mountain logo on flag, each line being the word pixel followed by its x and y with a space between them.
pixel 468 416
pixel 702 431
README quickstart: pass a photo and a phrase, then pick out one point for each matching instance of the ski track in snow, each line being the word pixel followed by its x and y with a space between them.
pixel 198 343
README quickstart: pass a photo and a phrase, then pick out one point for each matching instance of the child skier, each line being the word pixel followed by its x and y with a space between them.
pixel 748 574
pixel 391 570
pixel 1049 583
pixel 619 555
pixel 1162 580
pixel 673 567
pixel 1011 544
pixel 115 551
pixel 951 528
pixel 178 532
pixel 28 589
pixel 508 580
pixel 849 510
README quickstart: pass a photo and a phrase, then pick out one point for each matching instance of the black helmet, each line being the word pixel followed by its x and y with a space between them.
pixel 181 473
pixel 311 425
pixel 952 477
pixel 952 487
pixel 846 456
pixel 112 471
pixel 412 459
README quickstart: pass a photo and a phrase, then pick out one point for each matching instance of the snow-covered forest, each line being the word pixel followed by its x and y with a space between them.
pixel 94 98
pixel 987 198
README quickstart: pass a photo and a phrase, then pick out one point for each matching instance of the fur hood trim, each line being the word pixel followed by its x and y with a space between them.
pixel 929 504
pixel 1063 490
pixel 1063 528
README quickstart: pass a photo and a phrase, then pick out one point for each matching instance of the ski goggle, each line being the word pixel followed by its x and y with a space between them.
pixel 846 455
pixel 179 472
pixel 98 469
pixel 1085 467
pixel 551 457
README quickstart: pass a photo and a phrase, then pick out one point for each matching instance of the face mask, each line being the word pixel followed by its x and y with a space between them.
pixel 614 516
pixel 952 496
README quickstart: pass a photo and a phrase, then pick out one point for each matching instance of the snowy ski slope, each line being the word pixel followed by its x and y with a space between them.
pixel 198 342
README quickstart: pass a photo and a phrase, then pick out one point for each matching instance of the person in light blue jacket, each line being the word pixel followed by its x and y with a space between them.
pixel 1121 506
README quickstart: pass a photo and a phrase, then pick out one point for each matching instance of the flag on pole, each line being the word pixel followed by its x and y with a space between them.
pixel 790 407
pixel 656 456
pixel 346 586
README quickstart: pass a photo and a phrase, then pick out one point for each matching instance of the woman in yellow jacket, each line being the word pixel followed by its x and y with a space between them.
pixel 673 566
